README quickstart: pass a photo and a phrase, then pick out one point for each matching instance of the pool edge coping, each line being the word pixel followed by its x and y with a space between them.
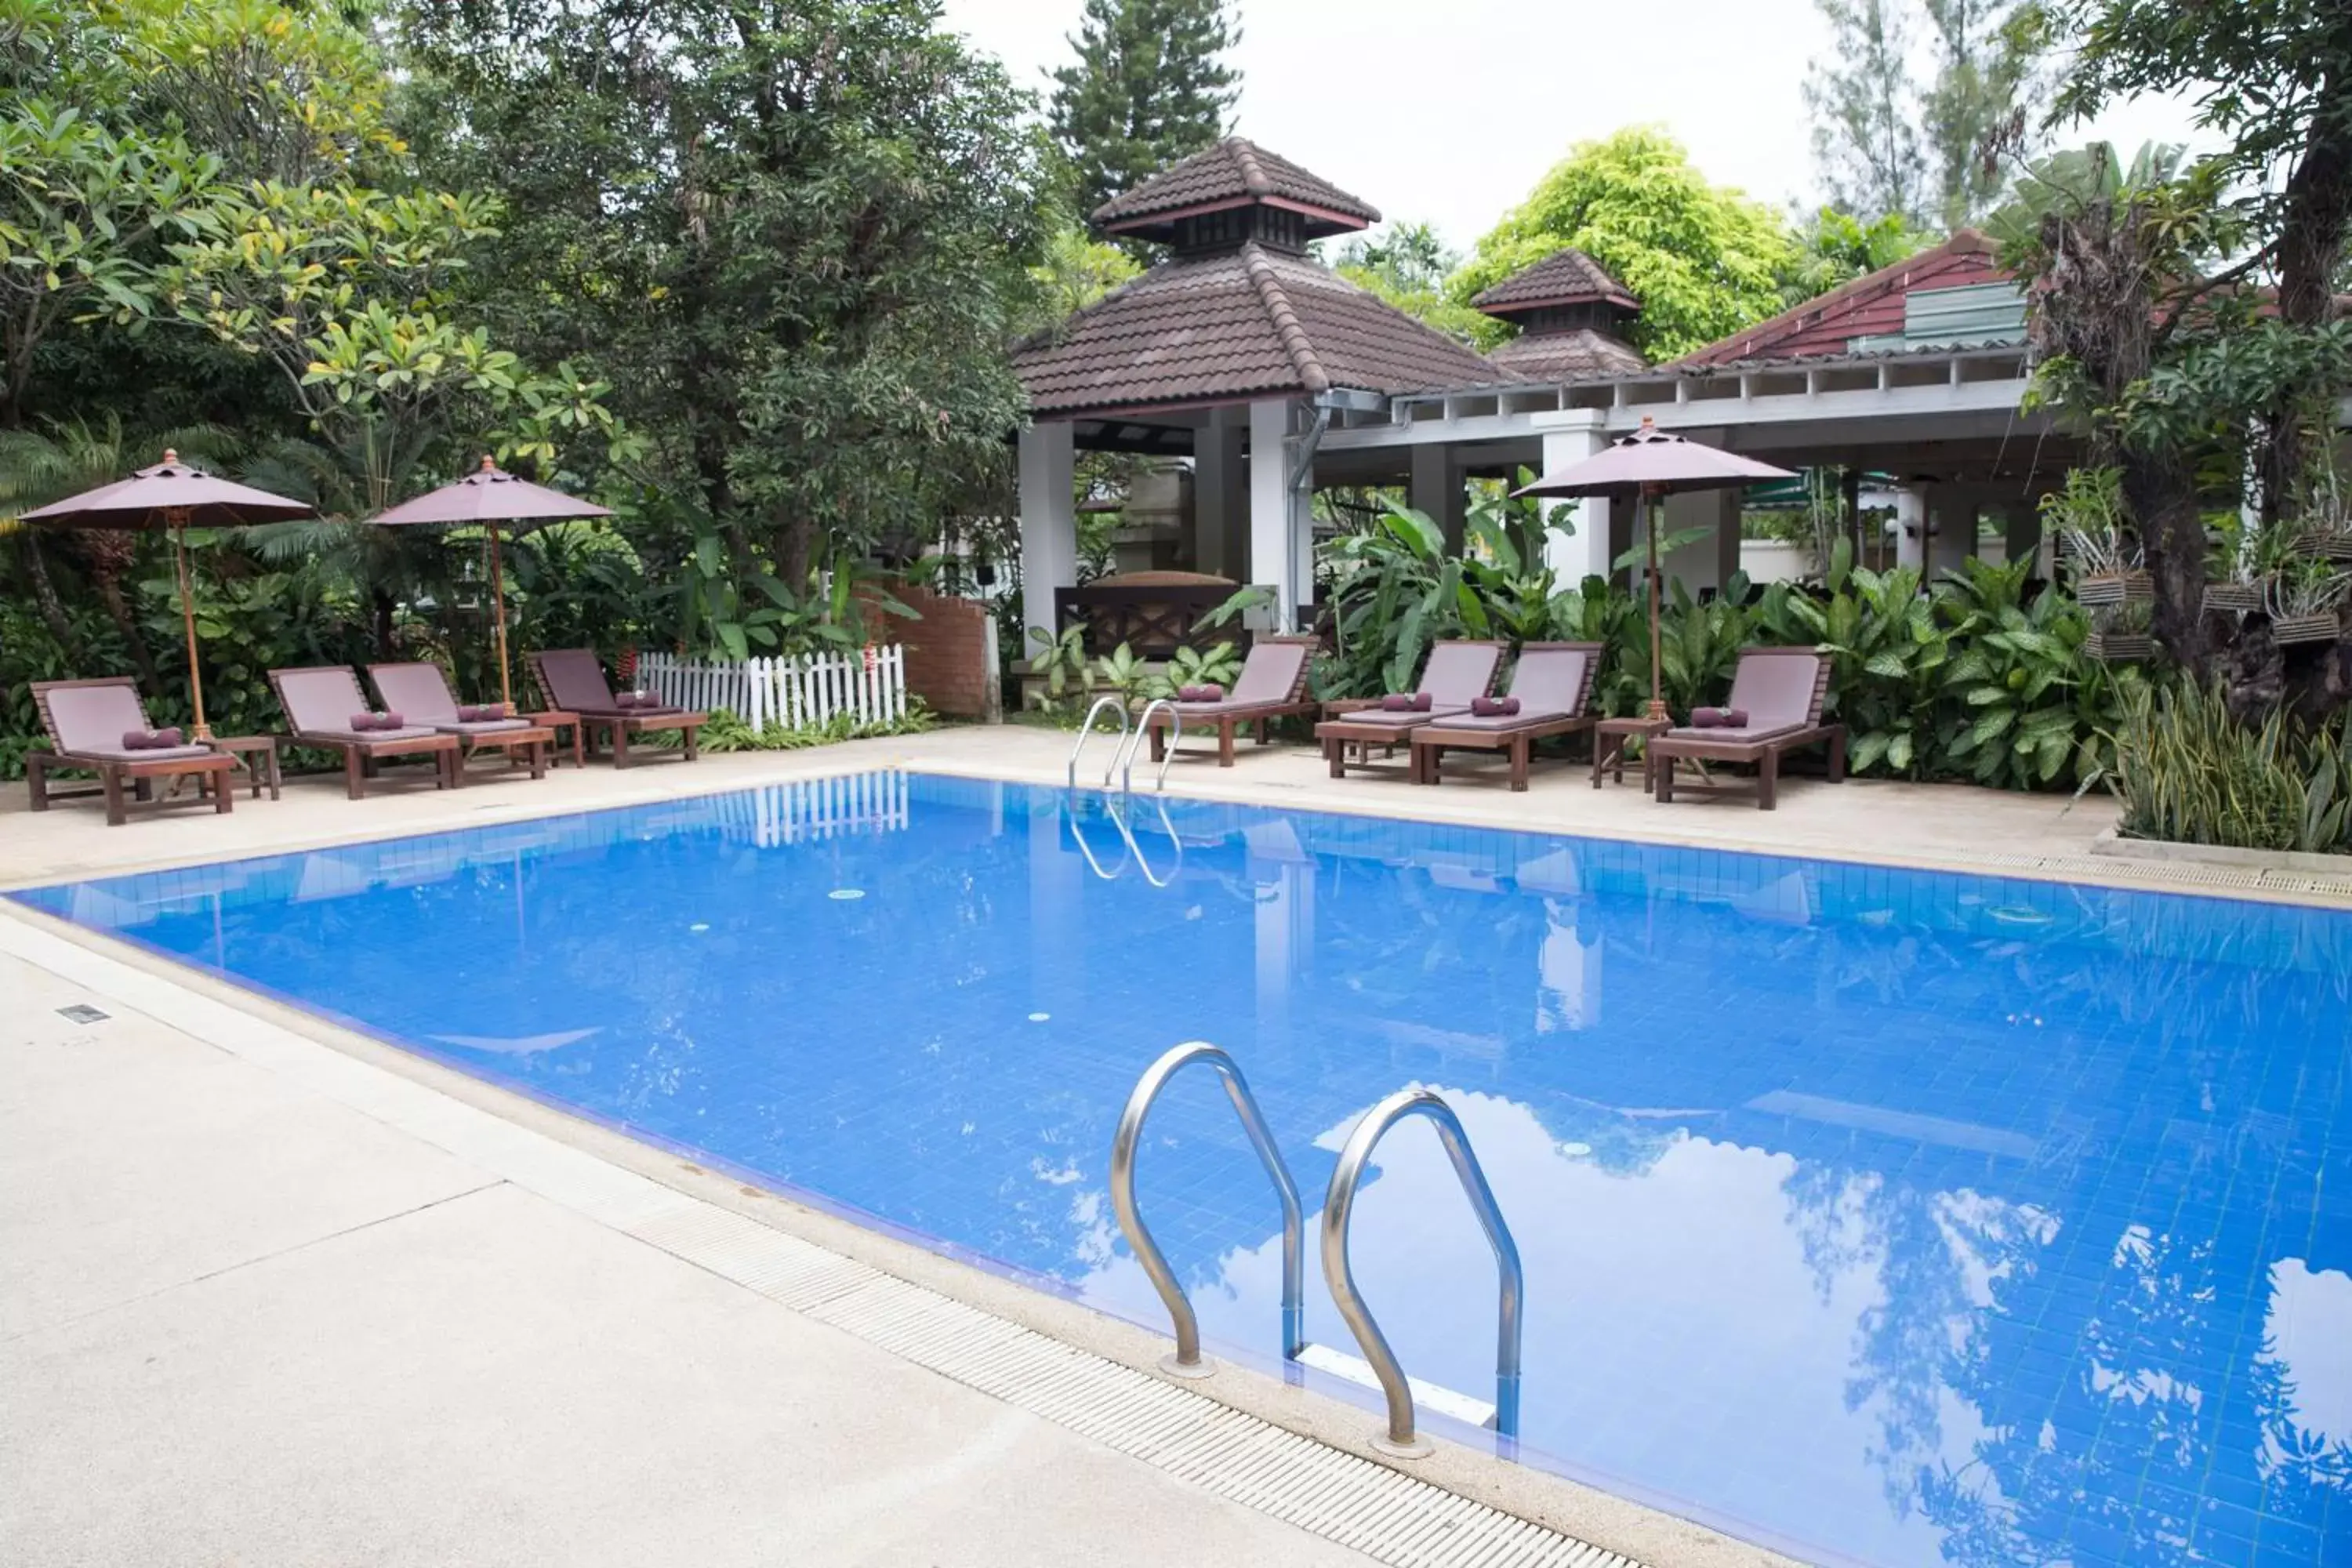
pixel 1586 1515
pixel 2181 876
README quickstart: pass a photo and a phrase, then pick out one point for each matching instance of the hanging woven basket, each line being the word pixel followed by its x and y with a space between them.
pixel 2119 648
pixel 2319 627
pixel 2233 598
pixel 2114 588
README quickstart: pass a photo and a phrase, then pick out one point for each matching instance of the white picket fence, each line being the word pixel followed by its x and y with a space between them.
pixel 797 693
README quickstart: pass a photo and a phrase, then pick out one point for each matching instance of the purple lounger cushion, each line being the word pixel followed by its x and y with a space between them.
pixel 99 720
pixel 1269 677
pixel 1773 691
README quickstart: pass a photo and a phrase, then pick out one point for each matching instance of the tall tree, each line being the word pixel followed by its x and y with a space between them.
pixel 795 237
pixel 2186 387
pixel 1149 86
pixel 1704 260
pixel 1864 141
pixel 1890 140
pixel 1988 84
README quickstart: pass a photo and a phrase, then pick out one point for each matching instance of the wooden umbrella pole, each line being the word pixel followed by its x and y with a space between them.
pixel 1658 698
pixel 178 518
pixel 498 624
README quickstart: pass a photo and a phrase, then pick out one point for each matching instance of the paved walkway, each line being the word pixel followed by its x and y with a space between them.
pixel 241 1323
pixel 1914 824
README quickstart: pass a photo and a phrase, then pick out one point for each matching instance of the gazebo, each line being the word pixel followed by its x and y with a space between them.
pixel 1238 351
pixel 1572 316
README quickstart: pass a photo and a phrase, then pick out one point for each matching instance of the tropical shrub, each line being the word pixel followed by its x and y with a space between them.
pixel 2189 772
pixel 727 731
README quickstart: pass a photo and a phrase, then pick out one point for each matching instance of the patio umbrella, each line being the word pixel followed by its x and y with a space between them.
pixel 490 496
pixel 179 497
pixel 1652 465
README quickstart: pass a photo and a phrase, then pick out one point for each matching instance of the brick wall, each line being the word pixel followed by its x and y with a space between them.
pixel 951 651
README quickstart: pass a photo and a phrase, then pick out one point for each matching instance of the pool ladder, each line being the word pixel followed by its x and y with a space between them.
pixel 1400 1437
pixel 1130 739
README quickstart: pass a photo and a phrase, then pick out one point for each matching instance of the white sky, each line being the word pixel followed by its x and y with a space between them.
pixel 1450 111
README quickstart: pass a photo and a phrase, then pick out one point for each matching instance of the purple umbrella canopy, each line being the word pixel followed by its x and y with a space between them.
pixel 1653 461
pixel 491 494
pixel 488 497
pixel 175 496
pixel 172 494
pixel 1651 464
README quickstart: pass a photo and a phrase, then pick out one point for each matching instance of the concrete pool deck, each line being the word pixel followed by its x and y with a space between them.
pixel 275 1292
pixel 1940 827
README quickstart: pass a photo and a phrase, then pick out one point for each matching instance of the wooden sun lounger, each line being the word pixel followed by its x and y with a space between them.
pixel 1457 670
pixel 1783 690
pixel 1553 681
pixel 319 701
pixel 573 682
pixel 420 693
pixel 1272 685
pixel 85 721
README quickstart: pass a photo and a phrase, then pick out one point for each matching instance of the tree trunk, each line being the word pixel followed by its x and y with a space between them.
pixel 381 607
pixel 45 592
pixel 118 608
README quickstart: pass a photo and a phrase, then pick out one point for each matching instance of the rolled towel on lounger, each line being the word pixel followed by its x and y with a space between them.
pixel 480 713
pixel 1719 718
pixel 1493 706
pixel 364 722
pixel 1209 691
pixel 149 739
pixel 1406 702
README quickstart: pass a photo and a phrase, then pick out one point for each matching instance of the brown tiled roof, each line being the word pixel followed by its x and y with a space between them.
pixel 1563 278
pixel 1234 173
pixel 1225 329
pixel 1577 355
pixel 1868 305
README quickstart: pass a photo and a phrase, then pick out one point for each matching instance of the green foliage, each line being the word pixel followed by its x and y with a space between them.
pixel 1704 260
pixel 1407 264
pixel 1149 86
pixel 1063 662
pixel 727 731
pixel 2191 773
pixel 1835 248
pixel 795 241
pixel 2035 710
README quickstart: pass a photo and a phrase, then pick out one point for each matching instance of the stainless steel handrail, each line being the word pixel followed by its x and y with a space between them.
pixel 1187 1361
pixel 1339 1203
pixel 1086 733
pixel 1135 847
pixel 1126 759
pixel 1070 812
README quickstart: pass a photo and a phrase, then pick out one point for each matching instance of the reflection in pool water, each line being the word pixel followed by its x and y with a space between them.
pixel 1894 1217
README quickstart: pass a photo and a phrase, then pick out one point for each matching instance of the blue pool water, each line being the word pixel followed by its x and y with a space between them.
pixel 1892 1217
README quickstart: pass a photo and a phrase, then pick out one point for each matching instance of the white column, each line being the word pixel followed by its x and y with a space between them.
pixel 1573 557
pixel 1695 564
pixel 1911 526
pixel 1221 497
pixel 1437 490
pixel 1273 550
pixel 1726 535
pixel 1049 524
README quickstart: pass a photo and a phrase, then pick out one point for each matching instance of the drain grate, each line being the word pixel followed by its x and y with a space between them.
pixel 1340 1497
pixel 83 1013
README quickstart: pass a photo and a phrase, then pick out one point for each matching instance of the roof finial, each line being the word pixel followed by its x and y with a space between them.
pixel 487 466
pixel 170 457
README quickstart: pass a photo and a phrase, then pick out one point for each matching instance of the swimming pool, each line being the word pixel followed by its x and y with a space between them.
pixel 1887 1216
